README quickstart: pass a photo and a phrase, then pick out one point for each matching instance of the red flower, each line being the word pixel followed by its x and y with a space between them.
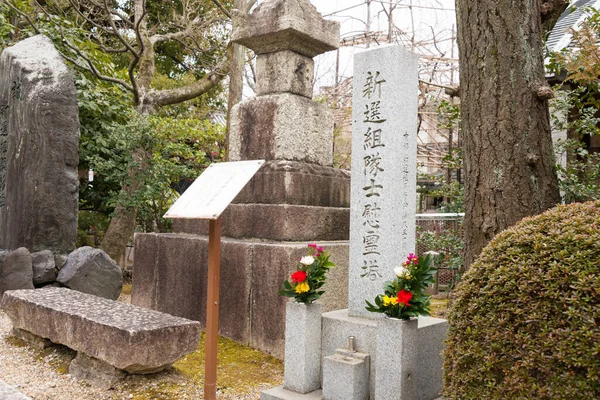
pixel 314 246
pixel 404 297
pixel 320 249
pixel 299 276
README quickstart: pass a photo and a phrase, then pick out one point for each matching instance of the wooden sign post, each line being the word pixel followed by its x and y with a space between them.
pixel 207 198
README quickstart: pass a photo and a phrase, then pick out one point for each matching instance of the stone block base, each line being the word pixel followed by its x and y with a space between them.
pixel 10 393
pixel 271 127
pixel 279 393
pixel 169 275
pixel 97 373
pixel 338 325
pixel 346 376
pixel 36 341
pixel 276 222
pixel 297 183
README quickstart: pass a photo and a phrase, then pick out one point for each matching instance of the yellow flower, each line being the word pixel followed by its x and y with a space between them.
pixel 302 287
pixel 408 277
pixel 387 300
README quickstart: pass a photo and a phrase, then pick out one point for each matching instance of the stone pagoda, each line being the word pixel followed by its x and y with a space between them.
pixel 297 197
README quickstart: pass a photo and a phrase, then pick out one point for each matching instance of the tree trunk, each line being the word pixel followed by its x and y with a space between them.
pixel 508 159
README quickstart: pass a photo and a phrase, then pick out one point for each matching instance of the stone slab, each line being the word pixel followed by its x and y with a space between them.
pixel 286 182
pixel 281 127
pixel 169 275
pixel 39 138
pixel 384 165
pixel 276 222
pixel 286 25
pixel 10 393
pixel 279 393
pixel 130 338
pixel 302 368
pixel 284 72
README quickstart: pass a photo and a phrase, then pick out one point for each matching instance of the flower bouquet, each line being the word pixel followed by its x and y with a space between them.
pixel 304 284
pixel 404 297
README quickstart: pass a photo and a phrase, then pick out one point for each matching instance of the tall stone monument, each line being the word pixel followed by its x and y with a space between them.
pixel 295 198
pixel 382 232
pixel 39 136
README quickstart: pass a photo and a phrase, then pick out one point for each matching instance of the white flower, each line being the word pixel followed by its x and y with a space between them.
pixel 307 260
pixel 401 271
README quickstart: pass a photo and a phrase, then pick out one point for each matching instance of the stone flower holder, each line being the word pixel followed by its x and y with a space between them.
pixel 396 359
pixel 302 370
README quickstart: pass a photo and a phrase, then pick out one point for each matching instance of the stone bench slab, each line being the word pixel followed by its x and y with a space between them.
pixel 129 338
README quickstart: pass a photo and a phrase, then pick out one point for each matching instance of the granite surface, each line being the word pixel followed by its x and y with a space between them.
pixel 346 376
pixel 302 367
pixel 384 175
pixel 127 337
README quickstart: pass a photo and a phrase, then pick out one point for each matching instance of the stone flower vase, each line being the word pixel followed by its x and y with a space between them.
pixel 396 359
pixel 302 368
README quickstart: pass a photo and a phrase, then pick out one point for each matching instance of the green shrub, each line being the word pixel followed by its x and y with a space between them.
pixel 525 323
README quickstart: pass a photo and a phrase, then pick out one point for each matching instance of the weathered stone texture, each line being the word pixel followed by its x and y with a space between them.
pixel 286 25
pixel 291 182
pixel 284 71
pixel 44 268
pixel 251 310
pixel 39 134
pixel 276 222
pixel 130 338
pixel 16 271
pixel 282 127
pixel 9 393
pixel 92 271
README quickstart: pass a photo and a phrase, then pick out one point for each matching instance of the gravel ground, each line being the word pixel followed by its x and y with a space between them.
pixel 41 375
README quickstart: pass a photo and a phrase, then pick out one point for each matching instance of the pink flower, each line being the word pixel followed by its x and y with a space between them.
pixel 320 249
pixel 412 259
pixel 314 246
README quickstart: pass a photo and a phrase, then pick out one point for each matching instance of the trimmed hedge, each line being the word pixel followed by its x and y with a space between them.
pixel 525 322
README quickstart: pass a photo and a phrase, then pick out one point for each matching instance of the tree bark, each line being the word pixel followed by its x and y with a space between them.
pixel 508 159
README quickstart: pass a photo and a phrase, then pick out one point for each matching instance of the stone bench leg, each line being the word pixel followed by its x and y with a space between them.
pixel 36 341
pixel 96 372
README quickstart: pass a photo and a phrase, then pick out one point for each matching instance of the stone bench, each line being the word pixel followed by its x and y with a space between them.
pixel 111 338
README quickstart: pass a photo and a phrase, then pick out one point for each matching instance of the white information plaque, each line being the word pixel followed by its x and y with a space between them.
pixel 214 189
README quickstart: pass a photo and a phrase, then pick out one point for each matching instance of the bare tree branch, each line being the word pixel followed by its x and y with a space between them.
pixel 188 92
pixel 222 8
pixel 22 14
pixel 118 34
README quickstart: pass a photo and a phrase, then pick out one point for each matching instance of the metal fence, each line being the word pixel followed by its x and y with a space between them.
pixel 442 233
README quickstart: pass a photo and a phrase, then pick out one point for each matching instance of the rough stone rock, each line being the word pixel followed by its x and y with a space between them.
pixel 96 372
pixel 92 271
pixel 60 260
pixel 39 137
pixel 16 271
pixel 129 338
pixel 44 269
pixel 270 127
pixel 284 71
pixel 277 25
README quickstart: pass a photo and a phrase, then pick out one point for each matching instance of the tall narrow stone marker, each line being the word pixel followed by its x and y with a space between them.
pixel 39 139
pixel 384 179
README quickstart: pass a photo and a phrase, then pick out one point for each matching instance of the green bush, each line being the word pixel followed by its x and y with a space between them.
pixel 525 323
